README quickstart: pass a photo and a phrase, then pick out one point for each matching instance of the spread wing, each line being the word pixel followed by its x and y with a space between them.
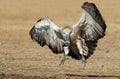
pixel 45 32
pixel 90 28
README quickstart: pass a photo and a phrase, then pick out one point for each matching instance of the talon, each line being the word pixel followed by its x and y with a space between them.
pixel 62 62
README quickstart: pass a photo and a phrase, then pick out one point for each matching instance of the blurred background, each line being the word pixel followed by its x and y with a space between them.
pixel 20 55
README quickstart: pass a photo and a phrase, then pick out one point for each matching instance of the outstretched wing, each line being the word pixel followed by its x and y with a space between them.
pixel 90 28
pixel 45 32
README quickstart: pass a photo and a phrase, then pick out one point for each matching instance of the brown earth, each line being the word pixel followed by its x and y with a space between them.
pixel 21 58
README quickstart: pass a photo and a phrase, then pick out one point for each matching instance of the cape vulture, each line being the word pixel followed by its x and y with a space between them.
pixel 80 42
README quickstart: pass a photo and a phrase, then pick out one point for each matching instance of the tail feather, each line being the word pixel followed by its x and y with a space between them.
pixel 73 55
pixel 91 47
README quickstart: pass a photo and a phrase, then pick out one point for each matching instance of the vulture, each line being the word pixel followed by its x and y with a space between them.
pixel 80 42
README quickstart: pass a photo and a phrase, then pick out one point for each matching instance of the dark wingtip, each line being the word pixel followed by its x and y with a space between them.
pixel 31 32
pixel 85 3
pixel 39 20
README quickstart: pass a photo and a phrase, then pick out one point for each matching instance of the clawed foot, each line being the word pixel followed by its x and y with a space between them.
pixel 62 62
pixel 83 61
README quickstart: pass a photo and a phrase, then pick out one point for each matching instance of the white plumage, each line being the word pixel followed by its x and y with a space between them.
pixel 80 42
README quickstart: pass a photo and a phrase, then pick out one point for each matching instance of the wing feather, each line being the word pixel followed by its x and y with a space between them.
pixel 45 32
pixel 91 27
pixel 92 30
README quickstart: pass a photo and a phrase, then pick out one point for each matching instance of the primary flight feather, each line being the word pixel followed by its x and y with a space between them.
pixel 80 42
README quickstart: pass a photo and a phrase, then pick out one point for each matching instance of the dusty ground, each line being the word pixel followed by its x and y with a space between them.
pixel 21 58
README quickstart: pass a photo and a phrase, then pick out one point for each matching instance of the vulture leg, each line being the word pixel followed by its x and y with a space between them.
pixel 80 49
pixel 66 51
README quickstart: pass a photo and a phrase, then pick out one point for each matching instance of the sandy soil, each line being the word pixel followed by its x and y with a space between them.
pixel 21 58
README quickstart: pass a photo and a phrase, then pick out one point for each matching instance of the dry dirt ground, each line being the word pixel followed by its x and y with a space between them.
pixel 21 58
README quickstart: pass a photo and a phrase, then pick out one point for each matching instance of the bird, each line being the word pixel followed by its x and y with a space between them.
pixel 79 42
